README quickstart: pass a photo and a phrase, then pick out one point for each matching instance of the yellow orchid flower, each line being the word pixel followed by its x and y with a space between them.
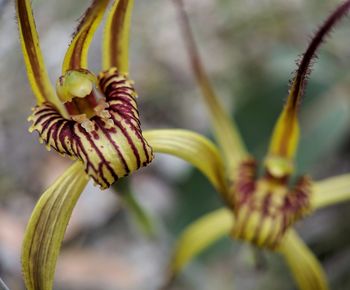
pixel 93 120
pixel 262 208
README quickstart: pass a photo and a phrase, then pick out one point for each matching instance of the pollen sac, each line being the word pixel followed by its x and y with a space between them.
pixel 265 208
pixel 110 144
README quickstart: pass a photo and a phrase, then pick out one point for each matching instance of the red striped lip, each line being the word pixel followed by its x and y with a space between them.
pixel 265 209
pixel 113 147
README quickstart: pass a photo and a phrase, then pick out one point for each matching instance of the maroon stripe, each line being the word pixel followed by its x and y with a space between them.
pixel 47 123
pixel 116 147
pixel 127 136
pixel 46 108
pixel 136 130
pixel 51 129
pixel 66 131
pixel 59 125
pixel 100 155
pixel 122 104
pixel 39 118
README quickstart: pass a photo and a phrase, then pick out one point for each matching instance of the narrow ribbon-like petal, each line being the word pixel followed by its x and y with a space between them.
pixel 46 228
pixel 331 191
pixel 33 58
pixel 114 146
pixel 77 53
pixel 193 148
pixel 115 48
pixel 224 127
pixel 306 269
pixel 285 137
pixel 199 236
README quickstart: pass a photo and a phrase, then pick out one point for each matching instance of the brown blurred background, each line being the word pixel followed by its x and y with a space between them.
pixel 249 49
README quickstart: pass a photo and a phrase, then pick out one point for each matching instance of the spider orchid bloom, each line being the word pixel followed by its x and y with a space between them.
pixel 93 120
pixel 262 209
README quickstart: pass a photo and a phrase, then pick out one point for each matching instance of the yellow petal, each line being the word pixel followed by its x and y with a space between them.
pixel 199 236
pixel 77 54
pixel 46 228
pixel 33 58
pixel 224 127
pixel 191 147
pixel 331 191
pixel 116 36
pixel 305 268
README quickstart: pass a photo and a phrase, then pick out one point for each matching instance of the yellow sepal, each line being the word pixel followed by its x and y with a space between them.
pixel 46 228
pixel 303 264
pixel 193 148
pixel 331 191
pixel 199 236
pixel 36 70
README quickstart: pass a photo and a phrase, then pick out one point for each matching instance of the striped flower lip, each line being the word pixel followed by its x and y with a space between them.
pixel 266 208
pixel 110 142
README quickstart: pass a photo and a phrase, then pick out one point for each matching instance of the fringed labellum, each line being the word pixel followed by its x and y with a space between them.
pixel 104 128
pixel 265 208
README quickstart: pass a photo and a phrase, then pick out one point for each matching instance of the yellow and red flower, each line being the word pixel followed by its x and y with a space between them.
pixel 262 208
pixel 94 120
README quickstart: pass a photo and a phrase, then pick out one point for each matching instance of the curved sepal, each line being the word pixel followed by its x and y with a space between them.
pixel 77 54
pixel 303 264
pixel 285 137
pixel 115 48
pixel 193 148
pixel 199 236
pixel 331 191
pixel 37 73
pixel 46 228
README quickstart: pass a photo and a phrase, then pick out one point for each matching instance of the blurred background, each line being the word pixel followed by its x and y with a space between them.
pixel 249 49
